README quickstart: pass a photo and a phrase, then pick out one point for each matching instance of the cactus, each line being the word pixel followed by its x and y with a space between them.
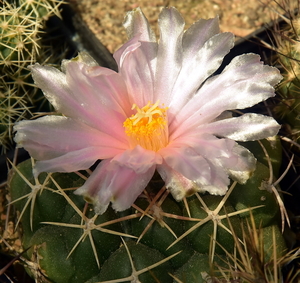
pixel 286 108
pixel 287 52
pixel 289 89
pixel 157 240
pixel 201 238
pixel 21 27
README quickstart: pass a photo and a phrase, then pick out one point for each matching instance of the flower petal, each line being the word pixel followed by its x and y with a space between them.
pixel 78 96
pixel 114 183
pixel 248 127
pixel 243 83
pixel 70 162
pixel 53 83
pixel 136 23
pixel 99 90
pixel 206 161
pixel 169 55
pixel 179 186
pixel 185 161
pixel 83 57
pixel 235 160
pixel 52 136
pixel 197 35
pixel 137 159
pixel 206 144
pixel 130 46
pixel 242 169
pixel 137 69
pixel 206 175
pixel 210 55
pixel 137 58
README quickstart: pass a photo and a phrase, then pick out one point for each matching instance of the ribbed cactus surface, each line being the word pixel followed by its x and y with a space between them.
pixel 157 240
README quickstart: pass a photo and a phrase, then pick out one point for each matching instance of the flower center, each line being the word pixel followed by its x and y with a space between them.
pixel 148 127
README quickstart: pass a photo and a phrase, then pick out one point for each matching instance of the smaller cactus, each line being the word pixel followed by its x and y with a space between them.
pixel 20 34
pixel 41 9
pixel 21 28
pixel 287 57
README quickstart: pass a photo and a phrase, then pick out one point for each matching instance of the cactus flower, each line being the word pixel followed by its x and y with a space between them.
pixel 163 110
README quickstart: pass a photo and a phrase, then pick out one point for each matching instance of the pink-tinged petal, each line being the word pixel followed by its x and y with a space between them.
pixel 180 186
pixel 137 70
pixel 208 162
pixel 130 46
pixel 187 162
pixel 83 57
pixel 52 136
pixel 243 83
pixel 137 58
pixel 191 76
pixel 235 160
pixel 114 183
pixel 102 95
pixel 71 95
pixel 248 127
pixel 206 145
pixel 126 195
pixel 136 23
pixel 70 162
pixel 91 188
pixel 202 171
pixel 53 83
pixel 137 159
pixel 169 54
pixel 244 165
pixel 176 183
pixel 106 86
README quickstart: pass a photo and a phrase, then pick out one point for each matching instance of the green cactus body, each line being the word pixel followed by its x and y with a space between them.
pixel 198 268
pixel 214 225
pixel 132 261
pixel 277 245
pixel 157 240
pixel 256 193
pixel 160 237
pixel 273 148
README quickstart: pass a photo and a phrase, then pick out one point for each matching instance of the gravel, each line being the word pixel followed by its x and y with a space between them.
pixel 241 17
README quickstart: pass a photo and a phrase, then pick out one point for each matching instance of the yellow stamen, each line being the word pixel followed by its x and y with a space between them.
pixel 148 127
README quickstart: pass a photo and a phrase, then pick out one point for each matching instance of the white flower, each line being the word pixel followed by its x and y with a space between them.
pixel 162 111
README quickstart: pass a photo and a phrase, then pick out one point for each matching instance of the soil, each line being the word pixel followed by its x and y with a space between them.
pixel 240 17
